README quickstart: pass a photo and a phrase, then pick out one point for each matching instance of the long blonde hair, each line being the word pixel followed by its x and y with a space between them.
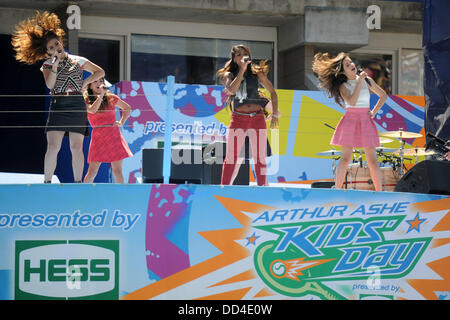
pixel 330 72
pixel 30 37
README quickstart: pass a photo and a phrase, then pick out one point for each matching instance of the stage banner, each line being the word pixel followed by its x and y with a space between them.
pixel 200 116
pixel 210 242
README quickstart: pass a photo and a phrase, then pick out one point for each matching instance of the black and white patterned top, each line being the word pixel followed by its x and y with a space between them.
pixel 69 77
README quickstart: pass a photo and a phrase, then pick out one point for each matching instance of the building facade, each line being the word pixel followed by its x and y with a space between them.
pixel 146 40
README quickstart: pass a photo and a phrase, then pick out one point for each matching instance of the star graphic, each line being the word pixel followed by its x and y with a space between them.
pixel 415 224
pixel 252 239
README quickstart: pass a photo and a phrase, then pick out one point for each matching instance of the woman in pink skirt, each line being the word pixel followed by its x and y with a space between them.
pixel 107 143
pixel 356 129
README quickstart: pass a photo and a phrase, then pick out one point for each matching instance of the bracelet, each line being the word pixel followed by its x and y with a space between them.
pixel 51 70
pixel 274 115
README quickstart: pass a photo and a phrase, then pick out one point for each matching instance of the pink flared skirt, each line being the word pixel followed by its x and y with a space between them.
pixel 356 129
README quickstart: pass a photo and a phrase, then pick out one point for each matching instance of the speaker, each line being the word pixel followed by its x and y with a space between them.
pixel 212 173
pixel 248 151
pixel 186 165
pixel 152 165
pixel 322 184
pixel 428 176
pixel 214 156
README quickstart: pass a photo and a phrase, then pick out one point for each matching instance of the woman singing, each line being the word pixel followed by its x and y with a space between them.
pixel 356 129
pixel 41 38
pixel 241 79
pixel 107 143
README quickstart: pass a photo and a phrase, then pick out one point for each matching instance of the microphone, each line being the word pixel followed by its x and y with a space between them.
pixel 246 59
pixel 54 58
pixel 359 70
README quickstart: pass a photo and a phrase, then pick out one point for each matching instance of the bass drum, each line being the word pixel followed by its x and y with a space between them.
pixel 358 178
pixel 390 178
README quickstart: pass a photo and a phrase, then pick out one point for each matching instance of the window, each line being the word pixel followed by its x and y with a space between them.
pixel 104 53
pixel 190 60
pixel 411 72
pixel 377 66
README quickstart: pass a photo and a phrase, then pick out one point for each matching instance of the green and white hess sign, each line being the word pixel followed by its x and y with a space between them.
pixel 66 269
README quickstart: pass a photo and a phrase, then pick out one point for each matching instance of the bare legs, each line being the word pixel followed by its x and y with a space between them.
pixel 116 170
pixel 374 169
pixel 54 140
pixel 76 147
pixel 92 172
pixel 341 169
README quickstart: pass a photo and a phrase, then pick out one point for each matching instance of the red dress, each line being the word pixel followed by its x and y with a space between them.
pixel 107 143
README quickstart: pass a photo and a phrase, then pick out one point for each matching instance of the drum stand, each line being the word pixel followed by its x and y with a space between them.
pixel 333 166
pixel 401 153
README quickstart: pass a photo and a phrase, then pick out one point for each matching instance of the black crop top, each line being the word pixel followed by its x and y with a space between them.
pixel 248 92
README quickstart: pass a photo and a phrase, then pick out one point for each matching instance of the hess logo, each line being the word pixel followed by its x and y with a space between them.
pixel 66 269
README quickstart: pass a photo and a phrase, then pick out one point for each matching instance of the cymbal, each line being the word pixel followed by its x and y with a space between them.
pixel 385 150
pixel 415 152
pixel 401 134
pixel 329 153
pixel 385 140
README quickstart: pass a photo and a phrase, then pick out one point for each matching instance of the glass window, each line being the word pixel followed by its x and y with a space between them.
pixel 104 53
pixel 190 60
pixel 411 70
pixel 377 66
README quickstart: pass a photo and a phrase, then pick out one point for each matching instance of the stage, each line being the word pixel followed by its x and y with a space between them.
pixel 163 241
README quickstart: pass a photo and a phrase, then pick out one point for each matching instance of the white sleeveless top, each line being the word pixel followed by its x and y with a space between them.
pixel 364 94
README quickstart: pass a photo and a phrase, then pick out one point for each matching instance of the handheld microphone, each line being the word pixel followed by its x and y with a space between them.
pixel 54 58
pixel 359 70
pixel 246 59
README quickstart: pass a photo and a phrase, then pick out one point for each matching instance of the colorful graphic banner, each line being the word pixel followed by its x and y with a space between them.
pixel 211 242
pixel 200 117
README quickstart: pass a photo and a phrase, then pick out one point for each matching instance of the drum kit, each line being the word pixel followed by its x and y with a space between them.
pixel 391 163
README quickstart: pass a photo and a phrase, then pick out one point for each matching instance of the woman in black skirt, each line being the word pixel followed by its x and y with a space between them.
pixel 41 38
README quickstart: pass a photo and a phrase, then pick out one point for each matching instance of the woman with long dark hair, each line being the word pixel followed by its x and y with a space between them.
pixel 241 78
pixel 356 129
pixel 41 38
pixel 107 143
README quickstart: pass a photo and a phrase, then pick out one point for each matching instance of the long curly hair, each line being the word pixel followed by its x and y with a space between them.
pixel 231 66
pixel 90 97
pixel 30 37
pixel 330 72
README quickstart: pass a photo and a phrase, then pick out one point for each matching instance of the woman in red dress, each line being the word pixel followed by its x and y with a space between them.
pixel 107 143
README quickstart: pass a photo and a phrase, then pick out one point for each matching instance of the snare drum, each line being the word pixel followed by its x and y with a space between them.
pixel 358 178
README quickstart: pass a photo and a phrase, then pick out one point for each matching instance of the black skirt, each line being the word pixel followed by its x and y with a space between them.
pixel 68 114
